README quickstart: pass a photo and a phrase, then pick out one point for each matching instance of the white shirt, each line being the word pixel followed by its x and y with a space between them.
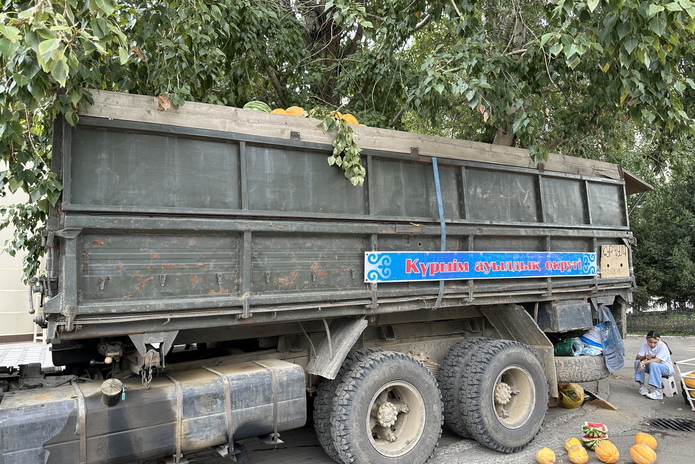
pixel 659 351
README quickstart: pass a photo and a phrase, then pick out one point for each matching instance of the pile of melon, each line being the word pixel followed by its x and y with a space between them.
pixel 689 380
pixel 642 452
pixel 256 105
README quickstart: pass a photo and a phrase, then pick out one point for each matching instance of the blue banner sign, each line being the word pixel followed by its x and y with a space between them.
pixel 408 266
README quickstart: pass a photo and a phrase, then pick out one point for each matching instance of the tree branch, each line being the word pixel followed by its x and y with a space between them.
pixel 279 89
pixel 397 117
pixel 458 12
pixel 352 47
pixel 425 21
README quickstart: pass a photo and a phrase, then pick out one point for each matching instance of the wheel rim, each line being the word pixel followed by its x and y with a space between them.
pixel 396 419
pixel 514 396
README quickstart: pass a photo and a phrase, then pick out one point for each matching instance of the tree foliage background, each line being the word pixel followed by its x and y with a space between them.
pixel 596 78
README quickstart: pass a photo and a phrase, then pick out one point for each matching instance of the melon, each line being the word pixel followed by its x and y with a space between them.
pixel 295 111
pixel 256 105
pixel 350 119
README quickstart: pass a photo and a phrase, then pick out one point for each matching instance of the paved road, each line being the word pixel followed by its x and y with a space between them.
pixel 634 414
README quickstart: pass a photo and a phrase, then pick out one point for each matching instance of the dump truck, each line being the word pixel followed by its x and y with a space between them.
pixel 210 278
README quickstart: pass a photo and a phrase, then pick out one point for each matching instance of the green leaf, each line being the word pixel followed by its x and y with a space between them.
pixel 630 45
pixel 556 49
pixel 658 25
pixel 7 47
pixel 47 47
pixel 28 13
pixel 72 118
pixel 106 6
pixel 60 70
pixel 623 29
pixel 123 55
pixel 546 37
pixel 43 205
pixel 14 184
pixel 592 4
pixel 11 32
pixel 35 195
pixel 654 9
pixel 21 79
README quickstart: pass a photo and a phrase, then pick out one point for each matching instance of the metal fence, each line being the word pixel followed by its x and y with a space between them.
pixel 663 321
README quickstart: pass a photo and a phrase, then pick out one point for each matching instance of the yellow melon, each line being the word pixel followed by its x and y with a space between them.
pixel 689 380
pixel 350 119
pixel 295 110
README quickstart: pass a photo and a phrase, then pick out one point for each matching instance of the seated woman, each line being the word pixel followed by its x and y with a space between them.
pixel 653 358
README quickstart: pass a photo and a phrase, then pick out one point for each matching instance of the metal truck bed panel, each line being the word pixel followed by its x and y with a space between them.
pixel 209 215
pixel 115 168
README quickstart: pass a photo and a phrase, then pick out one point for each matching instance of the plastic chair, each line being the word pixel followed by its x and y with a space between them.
pixel 669 386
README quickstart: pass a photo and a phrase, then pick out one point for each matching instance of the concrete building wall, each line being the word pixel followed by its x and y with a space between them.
pixel 16 324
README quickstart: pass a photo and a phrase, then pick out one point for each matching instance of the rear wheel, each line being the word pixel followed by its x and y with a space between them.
pixel 450 381
pixel 387 410
pixel 323 403
pixel 505 396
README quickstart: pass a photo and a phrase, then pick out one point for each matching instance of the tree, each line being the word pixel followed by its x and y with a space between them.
pixel 664 225
pixel 564 76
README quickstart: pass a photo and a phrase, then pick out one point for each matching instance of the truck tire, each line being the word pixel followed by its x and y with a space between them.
pixel 579 369
pixel 450 380
pixel 505 396
pixel 387 410
pixel 323 403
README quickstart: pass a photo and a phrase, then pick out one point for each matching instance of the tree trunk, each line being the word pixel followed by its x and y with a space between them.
pixel 516 41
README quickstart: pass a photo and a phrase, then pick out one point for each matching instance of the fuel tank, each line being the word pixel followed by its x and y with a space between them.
pixel 181 412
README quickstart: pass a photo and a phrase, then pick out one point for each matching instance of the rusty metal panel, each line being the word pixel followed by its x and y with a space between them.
pixel 576 244
pixel 509 242
pixel 564 201
pixel 113 167
pixel 406 189
pixel 136 266
pixel 285 179
pixel 502 196
pixel 607 204
pixel 292 263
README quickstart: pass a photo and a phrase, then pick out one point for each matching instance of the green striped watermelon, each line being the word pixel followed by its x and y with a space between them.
pixel 257 106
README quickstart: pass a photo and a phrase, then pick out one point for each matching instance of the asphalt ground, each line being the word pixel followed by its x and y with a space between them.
pixel 634 414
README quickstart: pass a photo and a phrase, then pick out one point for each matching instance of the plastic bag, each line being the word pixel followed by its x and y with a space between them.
pixel 591 351
pixel 570 395
pixel 568 347
pixel 612 342
pixel 593 337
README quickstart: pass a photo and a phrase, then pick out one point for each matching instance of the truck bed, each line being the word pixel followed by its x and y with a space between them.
pixel 208 217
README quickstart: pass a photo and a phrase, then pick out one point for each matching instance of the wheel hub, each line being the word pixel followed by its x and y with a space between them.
pixel 386 414
pixel 503 393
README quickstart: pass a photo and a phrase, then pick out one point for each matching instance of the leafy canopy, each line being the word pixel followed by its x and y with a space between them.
pixel 565 76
